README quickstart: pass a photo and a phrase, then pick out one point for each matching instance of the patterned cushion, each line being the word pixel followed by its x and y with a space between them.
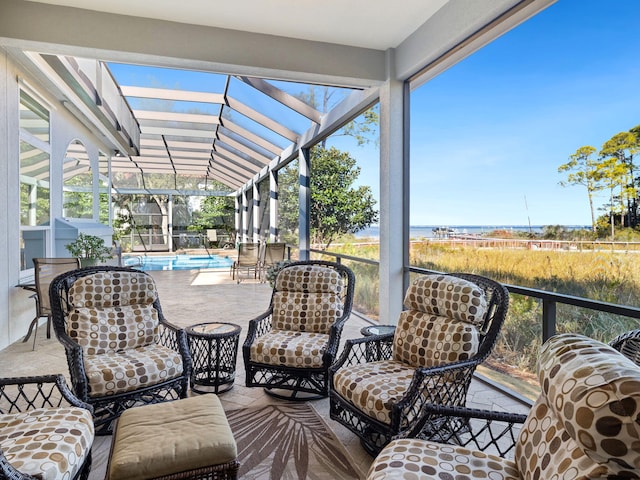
pixel 291 349
pixel 447 296
pixel 47 443
pixel 309 279
pixel 113 311
pixel 103 330
pixel 113 289
pixel 413 459
pixel 425 340
pixel 589 408
pixel 306 312
pixel 372 387
pixel 131 369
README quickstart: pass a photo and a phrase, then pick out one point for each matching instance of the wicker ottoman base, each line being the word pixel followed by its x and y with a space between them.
pixel 183 439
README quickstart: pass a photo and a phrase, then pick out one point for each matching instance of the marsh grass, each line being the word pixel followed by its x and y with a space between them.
pixel 608 276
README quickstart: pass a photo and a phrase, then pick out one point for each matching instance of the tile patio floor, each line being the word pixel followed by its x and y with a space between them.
pixel 190 296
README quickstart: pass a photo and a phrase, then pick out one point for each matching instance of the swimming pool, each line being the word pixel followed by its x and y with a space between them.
pixel 177 262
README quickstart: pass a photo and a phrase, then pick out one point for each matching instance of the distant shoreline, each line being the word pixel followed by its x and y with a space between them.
pixel 429 231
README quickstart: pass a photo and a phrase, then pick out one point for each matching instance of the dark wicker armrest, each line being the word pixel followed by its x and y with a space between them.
pixel 258 327
pixel 18 394
pixel 170 335
pixel 442 385
pixel 363 350
pixel 485 430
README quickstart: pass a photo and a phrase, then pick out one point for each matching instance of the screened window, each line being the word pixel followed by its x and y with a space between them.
pixel 35 188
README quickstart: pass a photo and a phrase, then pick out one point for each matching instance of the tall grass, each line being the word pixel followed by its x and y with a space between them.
pixel 599 275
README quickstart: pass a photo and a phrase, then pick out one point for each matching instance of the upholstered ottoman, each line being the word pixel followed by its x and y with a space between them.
pixel 184 439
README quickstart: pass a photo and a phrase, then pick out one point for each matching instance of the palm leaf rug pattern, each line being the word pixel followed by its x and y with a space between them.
pixel 287 442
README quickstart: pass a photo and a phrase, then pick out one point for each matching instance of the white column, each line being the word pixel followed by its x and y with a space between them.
pixel 304 222
pixel 238 217
pixel 245 217
pixel 170 223
pixel 256 212
pixel 273 206
pixel 393 195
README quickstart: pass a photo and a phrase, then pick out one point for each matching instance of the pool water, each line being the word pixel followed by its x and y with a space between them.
pixel 177 262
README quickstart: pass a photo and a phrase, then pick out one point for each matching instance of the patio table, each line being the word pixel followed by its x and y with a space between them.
pixel 214 348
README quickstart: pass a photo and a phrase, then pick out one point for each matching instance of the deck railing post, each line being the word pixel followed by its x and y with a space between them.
pixel 548 319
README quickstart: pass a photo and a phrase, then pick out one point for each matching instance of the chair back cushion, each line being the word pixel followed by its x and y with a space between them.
pixel 442 322
pixel 449 297
pixel 585 421
pixel 307 298
pixel 112 311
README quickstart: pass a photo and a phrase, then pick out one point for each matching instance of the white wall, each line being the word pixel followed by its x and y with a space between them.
pixel 17 309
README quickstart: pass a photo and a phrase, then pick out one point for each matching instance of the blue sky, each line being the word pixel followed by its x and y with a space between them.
pixel 493 130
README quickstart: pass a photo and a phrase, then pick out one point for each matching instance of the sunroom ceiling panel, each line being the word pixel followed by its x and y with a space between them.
pixel 196 146
pixel 177 132
pixel 225 179
pixel 168 94
pixel 263 120
pixel 230 155
pixel 233 144
pixel 177 154
pixel 169 117
pixel 227 173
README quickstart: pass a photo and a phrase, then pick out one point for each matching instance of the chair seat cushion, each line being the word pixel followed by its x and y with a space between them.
pixel 128 370
pixel 290 349
pixel 47 443
pixel 411 458
pixel 373 387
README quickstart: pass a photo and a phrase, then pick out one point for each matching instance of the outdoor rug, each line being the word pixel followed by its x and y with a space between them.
pixel 288 442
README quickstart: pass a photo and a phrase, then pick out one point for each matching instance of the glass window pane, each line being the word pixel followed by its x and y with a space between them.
pixel 34 185
pixel 78 182
pixel 34 118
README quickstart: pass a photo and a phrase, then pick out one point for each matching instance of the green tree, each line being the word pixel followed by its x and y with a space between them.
pixel 337 207
pixel 622 147
pixel 612 171
pixel 583 170
pixel 215 212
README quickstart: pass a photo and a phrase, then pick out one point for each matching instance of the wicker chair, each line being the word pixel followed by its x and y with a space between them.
pixel 289 348
pixel 120 349
pixel 628 344
pixel 584 425
pixel 45 431
pixel 450 327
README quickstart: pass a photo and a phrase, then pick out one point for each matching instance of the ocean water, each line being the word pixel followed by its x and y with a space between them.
pixel 427 231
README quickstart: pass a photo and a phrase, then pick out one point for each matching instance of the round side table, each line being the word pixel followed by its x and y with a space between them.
pixel 382 349
pixel 214 348
pixel 377 330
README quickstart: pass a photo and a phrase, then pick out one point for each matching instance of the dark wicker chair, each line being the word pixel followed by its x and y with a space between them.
pixel 628 344
pixel 575 429
pixel 120 349
pixel 289 348
pixel 450 327
pixel 54 410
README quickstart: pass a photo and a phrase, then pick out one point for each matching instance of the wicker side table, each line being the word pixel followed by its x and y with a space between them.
pixel 214 348
pixel 379 350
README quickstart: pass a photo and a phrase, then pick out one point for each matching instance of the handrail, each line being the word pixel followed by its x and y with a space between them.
pixel 549 299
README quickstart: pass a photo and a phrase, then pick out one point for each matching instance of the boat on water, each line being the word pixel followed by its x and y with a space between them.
pixel 444 232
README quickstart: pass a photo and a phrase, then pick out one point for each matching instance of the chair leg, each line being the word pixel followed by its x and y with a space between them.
pixel 34 323
pixel 35 335
pixel 49 319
